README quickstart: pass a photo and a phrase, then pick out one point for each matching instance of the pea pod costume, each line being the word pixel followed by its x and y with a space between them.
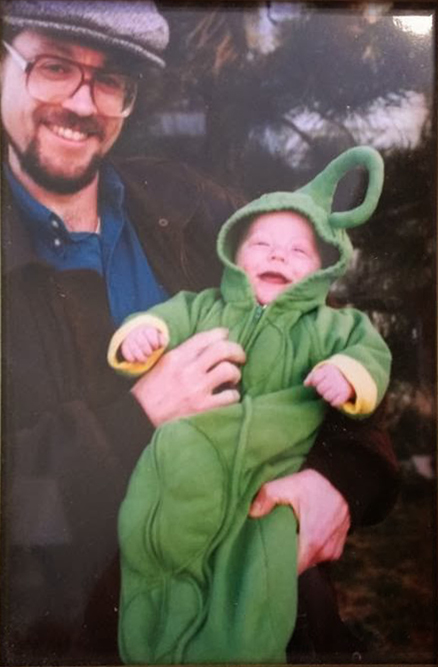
pixel 201 582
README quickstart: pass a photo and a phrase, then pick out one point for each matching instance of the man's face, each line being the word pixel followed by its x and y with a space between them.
pixel 278 250
pixel 57 146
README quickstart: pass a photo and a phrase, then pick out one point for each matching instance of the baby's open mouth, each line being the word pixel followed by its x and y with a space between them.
pixel 274 278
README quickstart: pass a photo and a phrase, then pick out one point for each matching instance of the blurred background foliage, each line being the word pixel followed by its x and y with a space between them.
pixel 260 96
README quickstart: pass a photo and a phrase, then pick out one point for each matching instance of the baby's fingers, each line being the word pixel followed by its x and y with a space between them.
pixel 162 339
pixel 130 351
pixel 343 395
pixel 151 339
pixel 335 398
pixel 310 379
pixel 125 351
pixel 316 376
pixel 156 340
pixel 141 349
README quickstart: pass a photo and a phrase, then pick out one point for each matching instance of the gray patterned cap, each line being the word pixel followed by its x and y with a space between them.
pixel 134 26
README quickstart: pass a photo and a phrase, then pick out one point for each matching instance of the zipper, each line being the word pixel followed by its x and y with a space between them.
pixel 253 326
pixel 249 336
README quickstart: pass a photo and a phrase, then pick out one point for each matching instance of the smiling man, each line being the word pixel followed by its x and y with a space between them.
pixel 59 146
pixel 86 242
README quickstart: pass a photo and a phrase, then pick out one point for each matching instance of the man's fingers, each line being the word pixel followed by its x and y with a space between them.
pixel 224 398
pixel 194 346
pixel 311 551
pixel 261 505
pixel 323 530
pixel 222 350
pixel 322 514
pixel 277 492
pixel 303 558
pixel 223 373
pixel 184 380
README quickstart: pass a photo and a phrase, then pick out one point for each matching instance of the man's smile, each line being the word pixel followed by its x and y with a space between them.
pixel 68 126
pixel 68 133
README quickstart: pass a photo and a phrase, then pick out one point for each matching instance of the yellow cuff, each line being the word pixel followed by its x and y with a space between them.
pixel 363 384
pixel 134 369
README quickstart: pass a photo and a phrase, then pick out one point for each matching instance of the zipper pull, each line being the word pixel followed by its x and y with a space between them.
pixel 258 312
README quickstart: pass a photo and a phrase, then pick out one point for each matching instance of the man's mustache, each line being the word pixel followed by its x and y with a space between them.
pixel 65 118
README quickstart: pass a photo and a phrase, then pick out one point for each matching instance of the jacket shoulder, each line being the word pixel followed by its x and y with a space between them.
pixel 177 213
pixel 178 185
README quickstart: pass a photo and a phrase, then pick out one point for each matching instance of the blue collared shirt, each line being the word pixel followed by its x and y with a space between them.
pixel 115 253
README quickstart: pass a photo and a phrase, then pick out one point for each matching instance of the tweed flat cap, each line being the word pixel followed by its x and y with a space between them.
pixel 133 26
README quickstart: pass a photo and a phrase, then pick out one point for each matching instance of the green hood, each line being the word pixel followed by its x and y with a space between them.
pixel 313 201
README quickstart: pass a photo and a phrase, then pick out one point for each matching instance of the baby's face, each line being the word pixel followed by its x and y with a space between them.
pixel 278 250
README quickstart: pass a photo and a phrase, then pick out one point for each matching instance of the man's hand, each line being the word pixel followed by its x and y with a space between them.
pixel 331 384
pixel 322 513
pixel 185 379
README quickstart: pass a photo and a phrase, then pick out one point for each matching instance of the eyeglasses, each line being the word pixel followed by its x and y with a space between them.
pixel 53 79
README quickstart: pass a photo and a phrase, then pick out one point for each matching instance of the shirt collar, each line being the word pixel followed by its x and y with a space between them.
pixel 46 224
pixel 111 188
pixel 38 218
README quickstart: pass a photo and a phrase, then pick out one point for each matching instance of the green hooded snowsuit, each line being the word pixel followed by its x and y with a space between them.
pixel 202 582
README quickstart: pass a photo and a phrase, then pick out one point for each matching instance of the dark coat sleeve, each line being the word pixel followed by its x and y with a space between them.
pixel 357 457
pixel 72 433
pixel 68 415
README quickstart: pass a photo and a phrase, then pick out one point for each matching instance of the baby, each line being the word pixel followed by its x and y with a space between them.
pixel 277 251
pixel 199 578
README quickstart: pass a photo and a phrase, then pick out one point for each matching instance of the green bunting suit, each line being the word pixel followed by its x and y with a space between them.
pixel 202 582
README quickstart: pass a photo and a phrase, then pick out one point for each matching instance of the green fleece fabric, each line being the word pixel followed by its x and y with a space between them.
pixel 202 582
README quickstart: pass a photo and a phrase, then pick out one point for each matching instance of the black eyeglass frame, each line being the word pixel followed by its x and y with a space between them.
pixel 28 65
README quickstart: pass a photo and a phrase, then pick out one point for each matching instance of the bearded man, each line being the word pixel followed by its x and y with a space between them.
pixel 85 242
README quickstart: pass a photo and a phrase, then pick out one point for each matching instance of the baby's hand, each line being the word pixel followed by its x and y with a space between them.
pixel 331 384
pixel 141 342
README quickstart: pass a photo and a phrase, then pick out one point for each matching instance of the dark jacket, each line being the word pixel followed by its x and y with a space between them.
pixel 72 432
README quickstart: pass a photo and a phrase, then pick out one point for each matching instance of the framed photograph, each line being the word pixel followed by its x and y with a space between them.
pixel 131 132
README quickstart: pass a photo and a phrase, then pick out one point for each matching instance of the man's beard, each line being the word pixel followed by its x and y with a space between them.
pixel 31 164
